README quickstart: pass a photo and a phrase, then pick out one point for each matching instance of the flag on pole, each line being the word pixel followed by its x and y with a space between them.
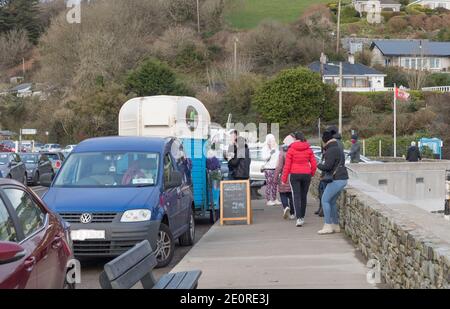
pixel 401 94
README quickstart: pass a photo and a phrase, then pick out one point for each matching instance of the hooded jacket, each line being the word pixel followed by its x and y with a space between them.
pixel 299 160
pixel 239 166
pixel 334 161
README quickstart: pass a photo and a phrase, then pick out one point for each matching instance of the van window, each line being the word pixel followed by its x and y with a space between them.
pixel 168 168
pixel 109 169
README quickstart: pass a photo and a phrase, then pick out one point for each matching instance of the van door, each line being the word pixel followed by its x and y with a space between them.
pixel 171 197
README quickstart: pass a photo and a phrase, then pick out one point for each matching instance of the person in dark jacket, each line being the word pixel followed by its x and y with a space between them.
pixel 355 150
pixel 333 165
pixel 413 154
pixel 300 166
pixel 239 159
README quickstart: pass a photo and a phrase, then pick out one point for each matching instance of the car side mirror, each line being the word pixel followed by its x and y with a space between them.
pixel 10 252
pixel 176 180
pixel 46 180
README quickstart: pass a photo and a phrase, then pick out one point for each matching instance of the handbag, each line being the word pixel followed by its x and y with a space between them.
pixel 263 168
pixel 329 177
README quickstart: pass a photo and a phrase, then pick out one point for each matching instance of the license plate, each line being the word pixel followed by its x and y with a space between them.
pixel 87 234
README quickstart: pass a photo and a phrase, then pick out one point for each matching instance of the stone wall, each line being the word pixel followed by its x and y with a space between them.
pixel 410 255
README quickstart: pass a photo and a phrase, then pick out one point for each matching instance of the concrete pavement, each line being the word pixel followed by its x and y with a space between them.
pixel 274 253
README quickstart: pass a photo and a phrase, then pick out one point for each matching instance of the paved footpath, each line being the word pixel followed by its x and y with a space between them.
pixel 274 253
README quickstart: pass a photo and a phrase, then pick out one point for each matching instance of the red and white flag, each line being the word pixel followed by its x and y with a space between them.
pixel 401 94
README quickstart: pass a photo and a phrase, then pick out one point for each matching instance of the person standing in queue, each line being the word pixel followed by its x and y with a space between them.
pixel 300 166
pixel 285 188
pixel 270 154
pixel 336 177
pixel 355 151
pixel 238 158
pixel 413 154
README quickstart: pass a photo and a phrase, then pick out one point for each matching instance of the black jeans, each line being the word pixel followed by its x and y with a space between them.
pixel 300 187
pixel 287 201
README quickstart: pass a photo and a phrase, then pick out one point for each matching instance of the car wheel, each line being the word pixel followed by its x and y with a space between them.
pixel 165 246
pixel 188 238
pixel 37 179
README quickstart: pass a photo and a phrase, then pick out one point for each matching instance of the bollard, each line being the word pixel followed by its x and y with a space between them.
pixel 447 196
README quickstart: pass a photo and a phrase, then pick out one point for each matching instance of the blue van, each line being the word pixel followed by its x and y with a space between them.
pixel 118 191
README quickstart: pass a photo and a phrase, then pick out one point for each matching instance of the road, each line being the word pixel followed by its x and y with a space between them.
pixel 91 268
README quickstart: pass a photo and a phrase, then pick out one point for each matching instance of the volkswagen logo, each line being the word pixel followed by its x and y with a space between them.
pixel 86 218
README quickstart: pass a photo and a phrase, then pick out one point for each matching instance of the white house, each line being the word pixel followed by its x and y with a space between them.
pixel 356 77
pixel 432 4
pixel 365 6
pixel 412 54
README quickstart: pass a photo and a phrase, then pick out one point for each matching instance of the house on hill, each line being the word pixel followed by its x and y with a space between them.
pixel 412 54
pixel 356 77
pixel 365 6
pixel 432 4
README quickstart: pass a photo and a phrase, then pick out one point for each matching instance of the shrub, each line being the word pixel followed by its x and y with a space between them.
pixel 397 24
pixel 437 79
pixel 154 78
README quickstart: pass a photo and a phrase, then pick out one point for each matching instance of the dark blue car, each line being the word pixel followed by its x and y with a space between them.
pixel 118 191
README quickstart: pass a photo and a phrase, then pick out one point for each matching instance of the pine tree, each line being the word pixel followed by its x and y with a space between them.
pixel 20 14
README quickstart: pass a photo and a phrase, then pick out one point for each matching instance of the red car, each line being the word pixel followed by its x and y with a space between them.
pixel 35 245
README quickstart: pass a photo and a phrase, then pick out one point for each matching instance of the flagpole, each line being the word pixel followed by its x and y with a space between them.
pixel 395 121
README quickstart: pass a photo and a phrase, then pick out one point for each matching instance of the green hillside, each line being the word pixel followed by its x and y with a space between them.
pixel 247 14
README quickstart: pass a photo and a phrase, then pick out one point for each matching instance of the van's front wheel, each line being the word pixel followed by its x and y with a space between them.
pixel 187 239
pixel 165 246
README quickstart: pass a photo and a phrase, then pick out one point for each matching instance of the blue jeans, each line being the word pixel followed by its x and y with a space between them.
pixel 329 198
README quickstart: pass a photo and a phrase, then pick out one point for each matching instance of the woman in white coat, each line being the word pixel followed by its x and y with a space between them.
pixel 270 154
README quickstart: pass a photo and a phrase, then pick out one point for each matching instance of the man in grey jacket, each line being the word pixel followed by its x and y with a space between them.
pixel 355 151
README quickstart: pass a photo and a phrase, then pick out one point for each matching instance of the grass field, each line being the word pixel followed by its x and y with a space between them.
pixel 247 14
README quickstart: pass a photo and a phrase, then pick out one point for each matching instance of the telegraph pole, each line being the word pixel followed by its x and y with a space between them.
pixel 395 121
pixel 198 17
pixel 236 40
pixel 338 33
pixel 340 97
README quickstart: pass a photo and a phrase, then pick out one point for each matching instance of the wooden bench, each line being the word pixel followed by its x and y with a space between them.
pixel 136 265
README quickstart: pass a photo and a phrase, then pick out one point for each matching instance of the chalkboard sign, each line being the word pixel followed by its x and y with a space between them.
pixel 235 203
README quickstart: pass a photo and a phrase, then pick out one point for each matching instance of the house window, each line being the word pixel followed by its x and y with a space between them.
pixel 435 63
pixel 348 82
pixel 405 63
pixel 413 63
pixel 329 80
pixel 360 82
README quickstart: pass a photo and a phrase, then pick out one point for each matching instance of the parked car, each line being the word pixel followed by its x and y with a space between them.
pixel 35 244
pixel 38 165
pixel 7 146
pixel 363 159
pixel 38 147
pixel 118 191
pixel 57 159
pixel 52 148
pixel 68 149
pixel 11 166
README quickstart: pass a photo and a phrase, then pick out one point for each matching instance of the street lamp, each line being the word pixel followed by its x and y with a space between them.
pixel 236 40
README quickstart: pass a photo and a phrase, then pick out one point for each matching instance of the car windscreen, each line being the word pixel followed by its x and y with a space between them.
pixel 109 169
pixel 29 158
pixel 4 159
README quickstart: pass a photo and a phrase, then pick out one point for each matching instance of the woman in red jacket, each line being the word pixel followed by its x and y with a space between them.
pixel 300 166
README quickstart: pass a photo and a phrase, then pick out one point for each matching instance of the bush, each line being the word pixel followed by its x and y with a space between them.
pixel 292 99
pixel 154 78
pixel 387 144
pixel 14 46
pixel 437 79
pixel 397 24
pixel 349 15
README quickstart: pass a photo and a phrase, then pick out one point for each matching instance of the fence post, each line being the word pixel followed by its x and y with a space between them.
pixel 364 147
pixel 379 148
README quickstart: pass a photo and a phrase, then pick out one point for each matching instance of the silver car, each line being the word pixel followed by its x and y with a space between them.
pixel 12 167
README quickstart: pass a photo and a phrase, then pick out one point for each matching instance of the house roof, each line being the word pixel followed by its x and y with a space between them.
pixel 383 1
pixel 332 68
pixel 412 48
pixel 21 87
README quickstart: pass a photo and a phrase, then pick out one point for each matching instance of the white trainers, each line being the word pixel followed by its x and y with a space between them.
pixel 300 222
pixel 327 229
pixel 286 213
pixel 270 203
pixel 292 217
pixel 336 228
pixel 278 203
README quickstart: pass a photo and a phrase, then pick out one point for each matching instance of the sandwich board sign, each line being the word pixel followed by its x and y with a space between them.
pixel 235 201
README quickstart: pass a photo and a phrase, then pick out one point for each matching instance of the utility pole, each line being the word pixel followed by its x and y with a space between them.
pixel 23 67
pixel 340 97
pixel 323 61
pixel 198 17
pixel 338 33
pixel 236 40
pixel 395 121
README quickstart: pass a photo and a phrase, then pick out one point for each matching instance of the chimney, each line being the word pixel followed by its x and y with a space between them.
pixel 351 59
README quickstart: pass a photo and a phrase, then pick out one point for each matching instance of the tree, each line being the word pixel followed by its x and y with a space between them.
pixel 293 98
pixel 154 78
pixel 21 14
